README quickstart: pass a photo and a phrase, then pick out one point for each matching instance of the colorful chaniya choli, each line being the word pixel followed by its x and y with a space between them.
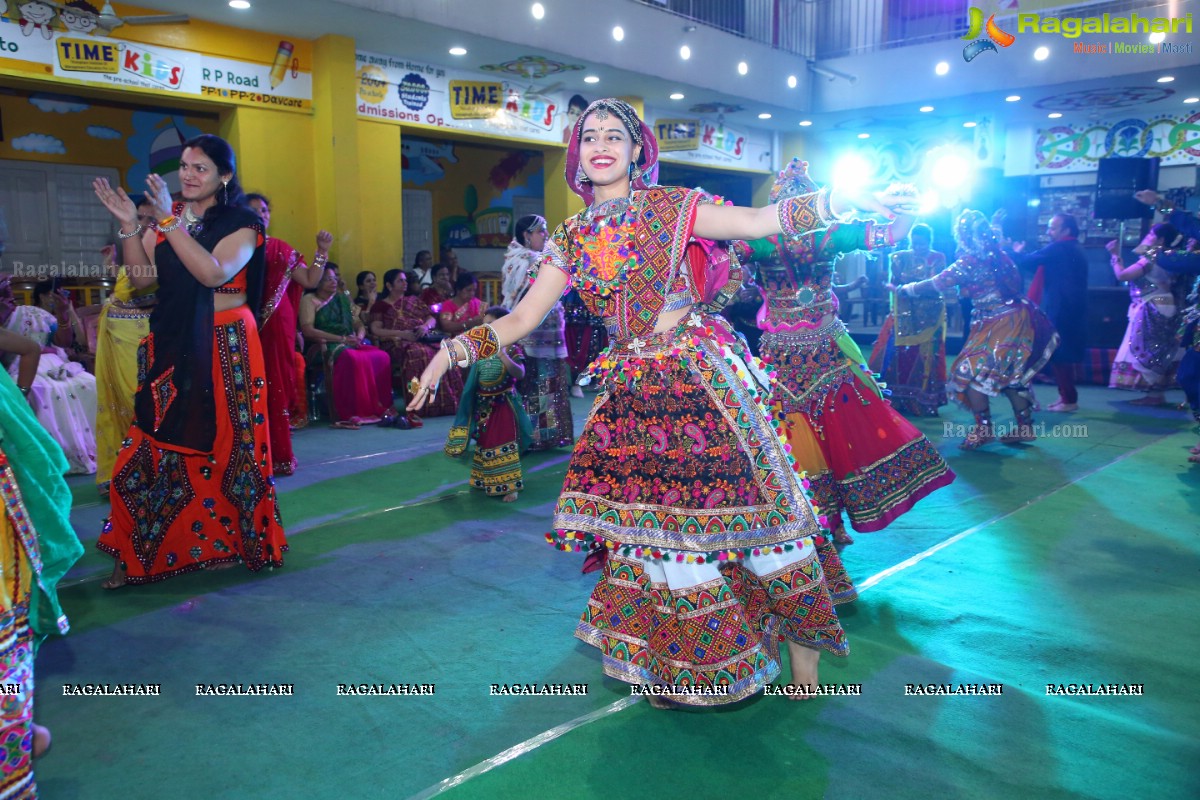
pixel 680 476
pixel 861 456
pixel 910 351
pixel 1009 340
pixel 491 413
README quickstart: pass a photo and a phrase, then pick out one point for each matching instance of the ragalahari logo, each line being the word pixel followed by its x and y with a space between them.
pixel 995 34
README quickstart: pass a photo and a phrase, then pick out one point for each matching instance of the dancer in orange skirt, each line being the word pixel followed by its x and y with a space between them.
pixel 193 487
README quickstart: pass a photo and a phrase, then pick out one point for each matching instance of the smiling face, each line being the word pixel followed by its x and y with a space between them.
pixel 36 11
pixel 199 179
pixel 369 283
pixel 606 149
pixel 263 210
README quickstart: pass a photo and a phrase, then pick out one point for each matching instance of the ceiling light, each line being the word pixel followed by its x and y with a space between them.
pixel 1054 115
pixel 942 67
pixel 804 123
pixel 240 5
pixel 1157 38
pixel 618 33
pixel 458 51
pixel 685 52
pixel 538 10
pixel 1012 98
pixel 792 81
pixel 764 115
pixel 1042 53
pixel 1166 79
pixel 743 68
pixel 926 109
pixel 864 136
pixel 591 79
pixel 1192 100
pixel 676 95
pixel 970 124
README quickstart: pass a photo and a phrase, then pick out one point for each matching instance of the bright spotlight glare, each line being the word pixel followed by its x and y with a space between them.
pixel 685 52
pixel 792 81
pixel 942 68
pixel 538 10
pixel 929 202
pixel 950 171
pixel 1157 38
pixel 1042 53
pixel 618 33
pixel 851 170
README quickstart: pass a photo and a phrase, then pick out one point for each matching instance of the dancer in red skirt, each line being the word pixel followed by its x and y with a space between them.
pixel 287 276
pixel 863 459
pixel 192 486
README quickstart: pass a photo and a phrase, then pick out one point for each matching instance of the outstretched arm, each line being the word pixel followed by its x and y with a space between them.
pixel 534 306
pixel 794 215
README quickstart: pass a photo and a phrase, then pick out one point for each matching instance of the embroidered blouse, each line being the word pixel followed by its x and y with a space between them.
pixel 629 266
pixel 796 272
pixel 991 280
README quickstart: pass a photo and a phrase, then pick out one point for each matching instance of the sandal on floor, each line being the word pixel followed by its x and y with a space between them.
pixel 346 425
pixel 415 422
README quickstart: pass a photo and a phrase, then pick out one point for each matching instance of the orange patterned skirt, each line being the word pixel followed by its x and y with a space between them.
pixel 175 512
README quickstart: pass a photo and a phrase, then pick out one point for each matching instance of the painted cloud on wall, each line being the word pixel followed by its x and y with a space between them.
pixel 104 132
pixel 59 104
pixel 39 143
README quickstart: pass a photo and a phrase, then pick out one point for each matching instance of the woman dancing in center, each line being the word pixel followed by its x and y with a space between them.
pixel 1010 340
pixel 862 457
pixel 679 474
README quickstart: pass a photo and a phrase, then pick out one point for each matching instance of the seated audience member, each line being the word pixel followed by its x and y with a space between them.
pixel 406 329
pixel 63 393
pixel 441 290
pixel 423 267
pixel 362 379
pixel 463 310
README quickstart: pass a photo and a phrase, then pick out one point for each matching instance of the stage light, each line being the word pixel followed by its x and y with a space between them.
pixel 951 169
pixel 685 52
pixel 538 10
pixel 676 95
pixel 942 68
pixel 792 81
pixel 618 33
pixel 743 68
pixel 1042 53
pixel 851 170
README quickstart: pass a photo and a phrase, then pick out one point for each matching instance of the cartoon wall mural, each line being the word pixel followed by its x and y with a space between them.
pixel 1078 148
pixel 76 22
pixel 419 160
pixel 71 130
pixel 36 16
pixel 467 212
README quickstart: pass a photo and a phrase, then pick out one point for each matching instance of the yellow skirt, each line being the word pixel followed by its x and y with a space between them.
pixel 120 332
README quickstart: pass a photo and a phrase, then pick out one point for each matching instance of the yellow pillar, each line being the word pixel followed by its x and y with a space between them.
pixel 274 153
pixel 561 202
pixel 381 196
pixel 335 150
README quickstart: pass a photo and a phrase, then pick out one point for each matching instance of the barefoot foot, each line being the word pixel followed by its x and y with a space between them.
pixel 116 580
pixel 804 667
pixel 511 497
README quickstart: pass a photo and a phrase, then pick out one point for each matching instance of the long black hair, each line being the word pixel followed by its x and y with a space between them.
pixel 217 149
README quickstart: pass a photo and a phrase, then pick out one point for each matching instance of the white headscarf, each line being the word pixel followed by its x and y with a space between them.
pixel 518 261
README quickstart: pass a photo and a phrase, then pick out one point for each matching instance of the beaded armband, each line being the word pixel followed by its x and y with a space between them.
pixel 479 343
pixel 804 213
pixel 132 233
pixel 879 235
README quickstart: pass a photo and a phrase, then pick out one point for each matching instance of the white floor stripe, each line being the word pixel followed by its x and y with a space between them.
pixel 548 736
pixel 524 747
